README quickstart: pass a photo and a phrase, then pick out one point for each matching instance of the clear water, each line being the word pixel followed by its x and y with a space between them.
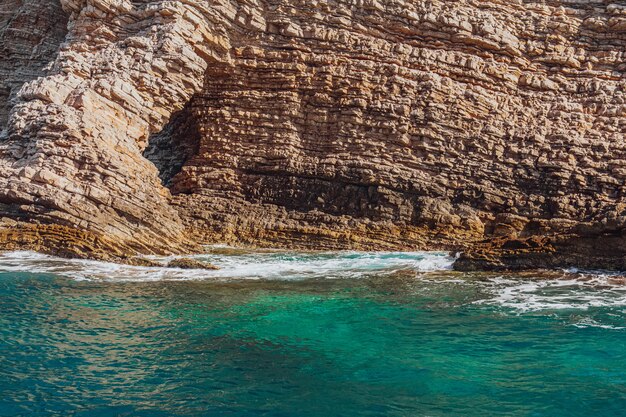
pixel 292 334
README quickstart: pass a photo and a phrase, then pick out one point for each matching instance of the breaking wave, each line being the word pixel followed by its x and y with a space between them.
pixel 236 264
pixel 569 290
pixel 525 292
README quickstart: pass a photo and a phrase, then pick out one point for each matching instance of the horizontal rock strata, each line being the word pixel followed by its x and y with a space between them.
pixel 493 127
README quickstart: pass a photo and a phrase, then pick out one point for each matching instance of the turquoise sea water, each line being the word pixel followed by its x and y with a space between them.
pixel 292 334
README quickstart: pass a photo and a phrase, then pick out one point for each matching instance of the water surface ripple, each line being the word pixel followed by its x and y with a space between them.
pixel 308 334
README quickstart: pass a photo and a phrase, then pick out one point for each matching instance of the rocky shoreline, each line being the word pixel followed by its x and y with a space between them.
pixel 604 252
pixel 494 128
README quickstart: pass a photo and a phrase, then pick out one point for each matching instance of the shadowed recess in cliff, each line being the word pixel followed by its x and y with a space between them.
pixel 30 34
pixel 178 141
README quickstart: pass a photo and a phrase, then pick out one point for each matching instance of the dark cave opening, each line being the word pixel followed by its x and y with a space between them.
pixel 172 147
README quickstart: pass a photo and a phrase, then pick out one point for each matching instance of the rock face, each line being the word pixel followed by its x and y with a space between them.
pixel 497 127
pixel 30 33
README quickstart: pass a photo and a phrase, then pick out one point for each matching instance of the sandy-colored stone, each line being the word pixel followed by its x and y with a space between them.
pixel 328 124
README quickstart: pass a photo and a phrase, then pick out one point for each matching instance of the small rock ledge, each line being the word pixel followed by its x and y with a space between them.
pixel 188 263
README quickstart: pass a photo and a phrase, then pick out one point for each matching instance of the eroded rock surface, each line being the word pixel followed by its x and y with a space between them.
pixel 30 34
pixel 497 127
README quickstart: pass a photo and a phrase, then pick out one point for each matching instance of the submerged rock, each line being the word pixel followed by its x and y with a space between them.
pixel 188 263
pixel 137 261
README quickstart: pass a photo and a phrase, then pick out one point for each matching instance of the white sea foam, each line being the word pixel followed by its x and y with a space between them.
pixel 589 322
pixel 240 265
pixel 570 289
pixel 579 291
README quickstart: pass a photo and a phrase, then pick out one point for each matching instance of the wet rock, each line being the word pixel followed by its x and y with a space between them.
pixel 188 263
pixel 137 261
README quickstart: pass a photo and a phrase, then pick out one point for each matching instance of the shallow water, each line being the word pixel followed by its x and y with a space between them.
pixel 308 334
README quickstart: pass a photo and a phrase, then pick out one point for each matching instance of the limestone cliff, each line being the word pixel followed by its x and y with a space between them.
pixel 497 127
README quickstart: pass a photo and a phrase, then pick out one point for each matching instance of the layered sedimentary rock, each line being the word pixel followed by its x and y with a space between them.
pixel 72 153
pixel 496 127
pixel 30 33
